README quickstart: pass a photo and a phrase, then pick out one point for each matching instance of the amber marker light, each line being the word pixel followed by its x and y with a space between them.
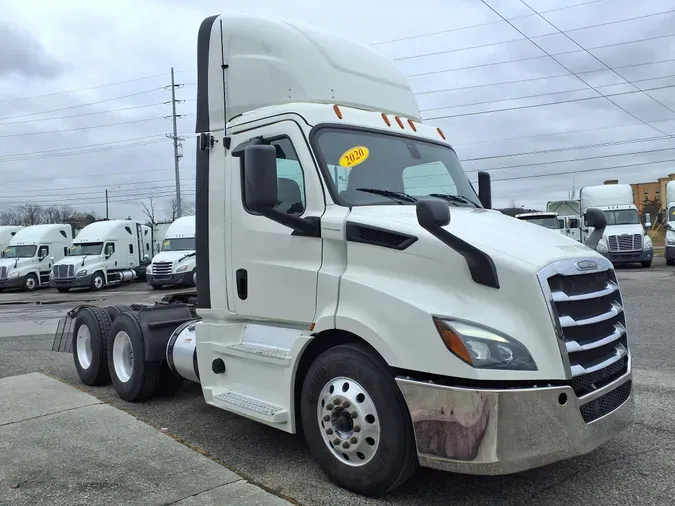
pixel 338 112
pixel 386 120
pixel 398 120
pixel 452 341
pixel 412 125
pixel 440 132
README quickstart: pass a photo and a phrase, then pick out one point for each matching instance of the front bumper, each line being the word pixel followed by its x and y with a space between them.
pixel 80 282
pixel 11 283
pixel 495 432
pixel 645 255
pixel 182 278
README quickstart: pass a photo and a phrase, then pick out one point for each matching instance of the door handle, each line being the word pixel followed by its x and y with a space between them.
pixel 242 283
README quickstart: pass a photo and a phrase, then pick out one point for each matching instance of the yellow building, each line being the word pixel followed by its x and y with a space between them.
pixel 655 190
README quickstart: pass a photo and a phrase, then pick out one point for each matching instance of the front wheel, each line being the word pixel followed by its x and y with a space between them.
pixel 97 281
pixel 670 261
pixel 30 283
pixel 646 264
pixel 356 422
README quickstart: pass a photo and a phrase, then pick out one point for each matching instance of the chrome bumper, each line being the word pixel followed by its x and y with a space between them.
pixel 493 432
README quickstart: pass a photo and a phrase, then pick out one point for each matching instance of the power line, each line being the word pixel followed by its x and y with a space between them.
pixel 88 193
pixel 83 114
pixel 101 202
pixel 80 176
pixel 82 152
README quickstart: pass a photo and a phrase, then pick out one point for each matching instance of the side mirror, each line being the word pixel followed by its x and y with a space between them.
pixel 146 257
pixel 51 258
pixel 432 213
pixel 485 189
pixel 595 218
pixel 573 223
pixel 260 177
pixel 648 226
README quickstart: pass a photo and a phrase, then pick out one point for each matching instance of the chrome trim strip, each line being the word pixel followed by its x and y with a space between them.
pixel 579 370
pixel 559 296
pixel 585 399
pixel 619 332
pixel 568 321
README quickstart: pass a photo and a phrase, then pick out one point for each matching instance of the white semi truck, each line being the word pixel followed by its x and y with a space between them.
pixel 6 234
pixel 393 324
pixel 569 212
pixel 28 258
pixel 624 240
pixel 670 223
pixel 175 264
pixel 104 253
pixel 543 219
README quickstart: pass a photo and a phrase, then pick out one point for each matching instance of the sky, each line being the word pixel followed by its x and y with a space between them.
pixel 85 91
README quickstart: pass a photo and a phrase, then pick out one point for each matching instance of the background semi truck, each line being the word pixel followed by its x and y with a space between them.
pixel 624 240
pixel 6 234
pixel 546 220
pixel 392 323
pixel 175 263
pixel 104 253
pixel 28 258
pixel 570 212
pixel 670 223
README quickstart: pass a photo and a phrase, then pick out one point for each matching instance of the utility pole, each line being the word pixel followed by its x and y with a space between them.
pixel 106 203
pixel 175 145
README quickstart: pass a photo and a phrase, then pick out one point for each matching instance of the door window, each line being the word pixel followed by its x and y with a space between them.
pixel 43 252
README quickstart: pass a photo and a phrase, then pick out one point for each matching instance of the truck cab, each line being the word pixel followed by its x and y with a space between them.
pixel 6 234
pixel 670 223
pixel 624 240
pixel 543 219
pixel 28 258
pixel 175 264
pixel 104 253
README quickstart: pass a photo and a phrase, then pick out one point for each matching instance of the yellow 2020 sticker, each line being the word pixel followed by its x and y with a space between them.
pixel 354 156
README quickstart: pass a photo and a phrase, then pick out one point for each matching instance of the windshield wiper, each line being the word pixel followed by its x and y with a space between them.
pixel 453 198
pixel 388 193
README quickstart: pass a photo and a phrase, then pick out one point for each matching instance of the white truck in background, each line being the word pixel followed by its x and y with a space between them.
pixel 543 219
pixel 28 258
pixel 670 223
pixel 393 323
pixel 175 264
pixel 158 233
pixel 569 212
pixel 6 234
pixel 104 253
pixel 624 240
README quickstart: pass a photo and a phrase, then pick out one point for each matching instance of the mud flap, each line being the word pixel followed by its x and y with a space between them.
pixel 63 337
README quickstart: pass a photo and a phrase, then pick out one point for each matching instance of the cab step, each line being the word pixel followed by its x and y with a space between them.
pixel 257 352
pixel 254 408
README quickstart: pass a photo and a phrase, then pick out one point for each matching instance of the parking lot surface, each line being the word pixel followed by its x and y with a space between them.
pixel 637 467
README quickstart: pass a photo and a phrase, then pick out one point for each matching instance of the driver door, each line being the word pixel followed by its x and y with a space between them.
pixel 44 264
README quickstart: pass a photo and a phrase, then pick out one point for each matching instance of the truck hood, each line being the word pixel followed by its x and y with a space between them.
pixel 623 229
pixel 491 231
pixel 172 256
pixel 9 262
pixel 77 260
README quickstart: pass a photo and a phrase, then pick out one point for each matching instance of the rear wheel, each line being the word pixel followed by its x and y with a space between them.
pixel 90 341
pixel 134 379
pixel 356 422
pixel 115 311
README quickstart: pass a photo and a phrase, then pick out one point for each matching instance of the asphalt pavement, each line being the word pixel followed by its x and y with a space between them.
pixel 637 467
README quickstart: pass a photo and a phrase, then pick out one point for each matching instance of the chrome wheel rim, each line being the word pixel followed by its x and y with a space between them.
pixel 123 356
pixel 83 347
pixel 98 281
pixel 348 421
pixel 30 283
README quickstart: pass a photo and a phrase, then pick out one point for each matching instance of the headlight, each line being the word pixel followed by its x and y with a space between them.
pixel 602 246
pixel 648 243
pixel 148 269
pixel 14 274
pixel 670 238
pixel 482 347
pixel 182 268
pixel 81 273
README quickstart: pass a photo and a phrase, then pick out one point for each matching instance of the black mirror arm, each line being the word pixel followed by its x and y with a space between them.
pixel 303 226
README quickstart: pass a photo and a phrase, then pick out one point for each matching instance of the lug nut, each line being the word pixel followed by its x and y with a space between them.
pixel 329 431
pixel 354 414
pixel 346 404
pixel 357 428
pixel 337 401
pixel 353 440
pixel 326 418
pixel 329 407
pixel 336 441
pixel 345 445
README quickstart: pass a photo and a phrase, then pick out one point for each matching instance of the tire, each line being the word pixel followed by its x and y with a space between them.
pixel 115 311
pixel 157 287
pixel 90 352
pixel 97 281
pixel 670 261
pixel 169 383
pixel 30 283
pixel 134 379
pixel 646 264
pixel 394 457
pixel 194 277
pixel 63 289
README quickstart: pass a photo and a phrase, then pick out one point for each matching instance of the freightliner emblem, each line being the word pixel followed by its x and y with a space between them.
pixel 587 265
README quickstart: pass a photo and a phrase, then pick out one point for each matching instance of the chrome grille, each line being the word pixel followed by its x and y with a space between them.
pixel 587 308
pixel 625 242
pixel 3 272
pixel 64 271
pixel 161 269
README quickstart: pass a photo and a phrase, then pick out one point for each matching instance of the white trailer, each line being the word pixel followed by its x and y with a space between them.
pixel 624 239
pixel 104 253
pixel 176 263
pixel 28 258
pixel 6 234
pixel 393 323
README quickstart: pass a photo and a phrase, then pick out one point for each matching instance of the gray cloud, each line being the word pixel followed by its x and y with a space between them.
pixel 23 55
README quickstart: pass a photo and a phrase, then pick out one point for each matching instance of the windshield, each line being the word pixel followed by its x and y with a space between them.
pixel 19 252
pixel 546 222
pixel 87 248
pixel 622 217
pixel 366 167
pixel 179 244
pixel 671 214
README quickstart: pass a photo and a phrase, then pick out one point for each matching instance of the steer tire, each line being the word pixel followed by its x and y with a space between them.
pixel 646 264
pixel 115 311
pixel 169 383
pixel 92 366
pixel 670 261
pixel 143 379
pixel 394 459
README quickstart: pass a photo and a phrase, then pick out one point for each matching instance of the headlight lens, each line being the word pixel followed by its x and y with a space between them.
pixel 81 273
pixel 602 246
pixel 648 243
pixel 482 347
pixel 182 268
pixel 13 274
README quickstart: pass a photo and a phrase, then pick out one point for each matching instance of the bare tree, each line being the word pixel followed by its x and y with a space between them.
pixel 10 217
pixel 31 214
pixel 50 214
pixel 171 210
pixel 149 210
